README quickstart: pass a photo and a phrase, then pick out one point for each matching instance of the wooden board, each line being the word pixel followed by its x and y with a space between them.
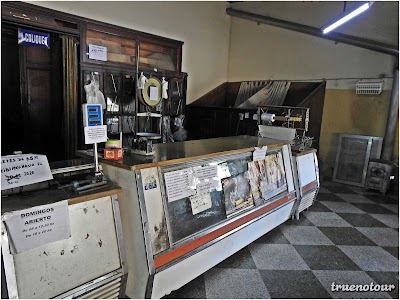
pixel 52 195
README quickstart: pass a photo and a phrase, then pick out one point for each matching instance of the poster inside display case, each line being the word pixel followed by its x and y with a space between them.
pixel 267 177
pixel 237 193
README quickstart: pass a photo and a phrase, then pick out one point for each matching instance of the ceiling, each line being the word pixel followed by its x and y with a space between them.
pixel 379 23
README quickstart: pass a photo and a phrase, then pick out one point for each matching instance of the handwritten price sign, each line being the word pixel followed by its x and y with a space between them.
pixel 97 52
pixel 20 170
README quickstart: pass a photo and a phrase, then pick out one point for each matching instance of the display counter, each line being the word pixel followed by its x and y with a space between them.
pixel 90 263
pixel 306 174
pixel 196 203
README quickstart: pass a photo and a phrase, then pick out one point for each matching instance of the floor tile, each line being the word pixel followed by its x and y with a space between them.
pixel 373 208
pixel 392 207
pixel 325 258
pixel 329 182
pixel 277 257
pixel 275 236
pixel 195 289
pixel 240 260
pixel 354 198
pixel 346 236
pixel 387 278
pixel 293 284
pixel 305 235
pixel 326 219
pixel 329 197
pixel 330 280
pixel 381 199
pixel 317 206
pixel 390 220
pixel 302 221
pixel 393 250
pixel 234 284
pixel 358 189
pixel 342 207
pixel 395 196
pixel 371 258
pixel 361 220
pixel 323 190
pixel 340 189
pixel 381 236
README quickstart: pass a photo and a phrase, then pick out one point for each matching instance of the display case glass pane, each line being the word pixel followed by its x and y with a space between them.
pixel 157 56
pixel 195 198
pixel 119 49
pixel 267 177
pixel 203 194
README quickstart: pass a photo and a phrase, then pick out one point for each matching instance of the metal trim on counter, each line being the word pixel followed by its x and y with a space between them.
pixel 146 231
pixel 227 228
pixel 209 244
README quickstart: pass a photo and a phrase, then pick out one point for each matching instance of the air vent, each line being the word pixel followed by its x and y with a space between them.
pixel 307 200
pixel 369 87
pixel 107 291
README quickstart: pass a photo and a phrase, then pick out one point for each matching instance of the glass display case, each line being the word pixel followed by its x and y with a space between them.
pixel 195 203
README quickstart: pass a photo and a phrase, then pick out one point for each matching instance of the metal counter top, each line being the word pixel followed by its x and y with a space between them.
pixel 172 153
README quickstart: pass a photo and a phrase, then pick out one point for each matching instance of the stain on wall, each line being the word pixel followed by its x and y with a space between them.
pixel 346 112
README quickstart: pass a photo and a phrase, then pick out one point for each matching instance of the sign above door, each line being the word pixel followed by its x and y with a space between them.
pixel 33 38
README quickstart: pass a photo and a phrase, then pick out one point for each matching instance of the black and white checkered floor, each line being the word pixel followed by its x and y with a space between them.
pixel 347 237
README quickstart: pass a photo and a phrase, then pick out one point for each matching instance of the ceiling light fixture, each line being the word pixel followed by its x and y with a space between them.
pixel 346 16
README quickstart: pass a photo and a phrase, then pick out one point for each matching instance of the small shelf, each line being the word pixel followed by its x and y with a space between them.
pixel 149 135
pixel 149 114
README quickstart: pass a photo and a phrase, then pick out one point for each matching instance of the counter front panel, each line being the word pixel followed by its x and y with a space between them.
pixel 187 201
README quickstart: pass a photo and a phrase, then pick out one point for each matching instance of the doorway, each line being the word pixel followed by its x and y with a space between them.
pixel 31 97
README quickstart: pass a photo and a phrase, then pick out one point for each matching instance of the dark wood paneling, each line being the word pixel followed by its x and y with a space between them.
pixel 315 101
pixel 209 122
pixel 32 97
pixel 299 91
pixel 210 116
pixel 11 109
pixel 215 97
pixel 35 16
pixel 37 55
pixel 231 93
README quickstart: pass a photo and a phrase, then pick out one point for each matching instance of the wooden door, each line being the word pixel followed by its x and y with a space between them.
pixel 37 100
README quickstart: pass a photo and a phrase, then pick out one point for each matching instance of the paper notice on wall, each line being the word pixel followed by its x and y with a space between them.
pixel 206 172
pixel 179 184
pixel 200 203
pixel 259 153
pixel 37 226
pixel 97 52
pixel 24 169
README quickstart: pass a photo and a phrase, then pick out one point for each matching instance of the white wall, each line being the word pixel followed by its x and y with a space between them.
pixel 202 26
pixel 259 52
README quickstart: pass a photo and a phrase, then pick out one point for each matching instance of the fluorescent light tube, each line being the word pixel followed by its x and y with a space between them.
pixel 345 16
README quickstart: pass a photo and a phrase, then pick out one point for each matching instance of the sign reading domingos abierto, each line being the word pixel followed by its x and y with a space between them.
pixel 37 226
